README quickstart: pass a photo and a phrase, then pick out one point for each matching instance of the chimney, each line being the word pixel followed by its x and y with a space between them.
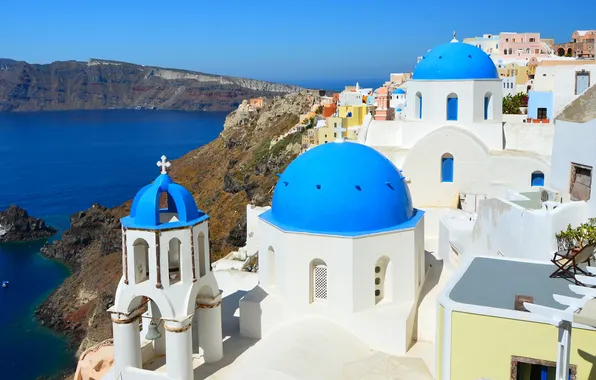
pixel 519 302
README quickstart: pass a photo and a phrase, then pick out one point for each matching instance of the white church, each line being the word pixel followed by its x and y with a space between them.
pixel 346 286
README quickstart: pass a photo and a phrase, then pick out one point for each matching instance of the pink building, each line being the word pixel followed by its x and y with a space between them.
pixel 522 45
pixel 383 111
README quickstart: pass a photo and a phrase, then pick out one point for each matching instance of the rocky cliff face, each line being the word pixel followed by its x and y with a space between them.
pixel 16 225
pixel 238 167
pixel 101 84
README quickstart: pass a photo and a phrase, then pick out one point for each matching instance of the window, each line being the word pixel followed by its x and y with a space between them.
pixel 510 51
pixel 174 260
pixel 536 369
pixel 506 39
pixel 452 105
pixel 537 178
pixel 203 245
pixel 505 51
pixel 447 168
pixel 582 81
pixel 532 39
pixel 140 249
pixel 318 281
pixel 580 183
pixel 418 105
pixel 542 113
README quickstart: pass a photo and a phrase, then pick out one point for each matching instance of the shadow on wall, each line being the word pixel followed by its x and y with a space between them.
pixel 435 269
pixel 592 360
pixel 234 344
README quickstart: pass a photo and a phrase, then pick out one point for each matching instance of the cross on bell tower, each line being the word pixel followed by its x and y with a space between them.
pixel 164 164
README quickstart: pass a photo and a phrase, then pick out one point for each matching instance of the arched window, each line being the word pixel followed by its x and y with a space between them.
pixel 510 50
pixel 174 260
pixel 504 51
pixel 488 106
pixel 141 260
pixel 318 281
pixel 418 105
pixel 202 254
pixel 447 168
pixel 271 265
pixel 538 178
pixel 382 279
pixel 452 105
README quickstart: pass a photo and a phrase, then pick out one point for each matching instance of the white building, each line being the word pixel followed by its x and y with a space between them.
pixel 167 284
pixel 398 100
pixel 343 243
pixel 452 140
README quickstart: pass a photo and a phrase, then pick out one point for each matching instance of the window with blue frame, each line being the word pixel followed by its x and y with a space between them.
pixel 452 105
pixel 529 371
pixel 537 178
pixel 488 100
pixel 447 168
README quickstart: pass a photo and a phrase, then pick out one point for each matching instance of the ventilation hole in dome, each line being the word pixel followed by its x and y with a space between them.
pixel 469 56
pixel 440 56
pixel 286 183
pixel 390 186
pixel 318 187
pixel 358 188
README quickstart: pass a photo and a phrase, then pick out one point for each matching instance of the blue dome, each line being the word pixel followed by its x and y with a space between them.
pixel 146 213
pixel 455 61
pixel 341 188
pixel 399 91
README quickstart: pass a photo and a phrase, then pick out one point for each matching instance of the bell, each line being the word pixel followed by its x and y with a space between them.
pixel 153 333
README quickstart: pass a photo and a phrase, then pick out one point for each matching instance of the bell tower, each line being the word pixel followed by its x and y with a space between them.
pixel 167 286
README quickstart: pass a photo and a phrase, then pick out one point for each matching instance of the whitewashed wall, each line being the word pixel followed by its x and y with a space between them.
pixel 529 137
pixel 573 142
pixel 252 227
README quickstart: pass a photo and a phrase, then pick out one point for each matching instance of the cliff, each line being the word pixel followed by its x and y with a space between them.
pixel 238 167
pixel 16 226
pixel 102 84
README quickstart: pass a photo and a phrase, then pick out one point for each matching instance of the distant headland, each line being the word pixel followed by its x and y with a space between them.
pixel 104 84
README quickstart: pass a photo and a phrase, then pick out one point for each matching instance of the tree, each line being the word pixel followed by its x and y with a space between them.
pixel 511 104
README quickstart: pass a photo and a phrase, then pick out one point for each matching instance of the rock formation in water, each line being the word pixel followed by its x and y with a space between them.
pixel 17 226
pixel 103 84
pixel 238 167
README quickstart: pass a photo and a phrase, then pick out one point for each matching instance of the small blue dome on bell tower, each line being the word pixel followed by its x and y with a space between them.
pixel 146 211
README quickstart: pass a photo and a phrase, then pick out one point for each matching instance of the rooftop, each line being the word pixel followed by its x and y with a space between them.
pixel 501 280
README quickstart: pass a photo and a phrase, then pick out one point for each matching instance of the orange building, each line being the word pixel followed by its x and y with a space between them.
pixel 329 110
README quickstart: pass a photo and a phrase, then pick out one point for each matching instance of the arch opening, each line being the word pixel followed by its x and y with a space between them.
pixel 174 270
pixel 141 261
pixel 537 178
pixel 318 281
pixel 167 208
pixel 488 106
pixel 447 167
pixel 418 106
pixel 202 241
pixel 452 106
pixel 383 279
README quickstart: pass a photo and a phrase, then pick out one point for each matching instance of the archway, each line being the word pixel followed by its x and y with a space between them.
pixel 560 52
pixel 174 271
pixel 141 260
pixel 452 106
pixel 318 281
pixel 570 52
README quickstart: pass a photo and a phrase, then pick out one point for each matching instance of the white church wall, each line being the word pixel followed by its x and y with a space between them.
pixel 492 90
pixel 573 143
pixel 381 133
pixel 252 227
pixel 529 137
pixel 513 170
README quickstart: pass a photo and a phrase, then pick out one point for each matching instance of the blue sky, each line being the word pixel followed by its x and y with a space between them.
pixel 279 40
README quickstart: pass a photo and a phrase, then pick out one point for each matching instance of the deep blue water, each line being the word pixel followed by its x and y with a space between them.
pixel 339 84
pixel 54 164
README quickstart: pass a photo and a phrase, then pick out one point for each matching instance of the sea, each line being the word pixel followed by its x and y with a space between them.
pixel 54 164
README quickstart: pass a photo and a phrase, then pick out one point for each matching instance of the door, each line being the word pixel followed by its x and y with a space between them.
pixel 582 82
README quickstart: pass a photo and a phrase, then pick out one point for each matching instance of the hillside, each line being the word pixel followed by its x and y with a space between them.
pixel 238 167
pixel 102 84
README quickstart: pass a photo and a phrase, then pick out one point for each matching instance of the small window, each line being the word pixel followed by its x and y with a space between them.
pixel 542 114
pixel 582 81
pixel 447 168
pixel 537 178
pixel 580 182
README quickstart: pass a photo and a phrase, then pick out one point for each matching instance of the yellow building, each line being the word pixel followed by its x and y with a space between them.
pixel 355 114
pixel 328 133
pixel 482 334
pixel 512 69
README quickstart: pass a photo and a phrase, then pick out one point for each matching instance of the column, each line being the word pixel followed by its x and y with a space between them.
pixel 195 333
pixel 563 350
pixel 179 350
pixel 127 342
pixel 210 338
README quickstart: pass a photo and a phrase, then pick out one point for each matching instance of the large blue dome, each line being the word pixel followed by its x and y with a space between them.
pixel 455 61
pixel 145 212
pixel 341 188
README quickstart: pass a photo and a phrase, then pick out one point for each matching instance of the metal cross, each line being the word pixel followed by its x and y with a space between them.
pixel 339 130
pixel 164 165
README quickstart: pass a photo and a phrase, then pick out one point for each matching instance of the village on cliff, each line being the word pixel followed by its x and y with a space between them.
pixel 440 226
